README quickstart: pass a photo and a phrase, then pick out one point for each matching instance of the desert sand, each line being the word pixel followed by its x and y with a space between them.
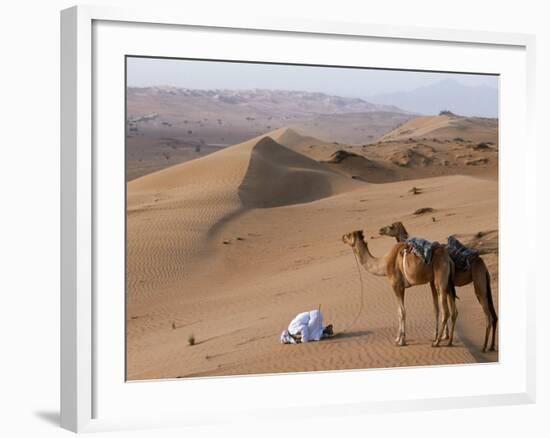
pixel 229 247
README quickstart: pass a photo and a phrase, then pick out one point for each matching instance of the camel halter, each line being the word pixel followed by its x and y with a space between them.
pixel 361 306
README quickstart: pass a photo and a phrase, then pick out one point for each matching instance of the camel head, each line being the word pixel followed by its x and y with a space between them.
pixel 397 230
pixel 353 237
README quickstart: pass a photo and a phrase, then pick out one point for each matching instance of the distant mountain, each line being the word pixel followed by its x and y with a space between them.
pixel 196 117
pixel 481 101
pixel 275 102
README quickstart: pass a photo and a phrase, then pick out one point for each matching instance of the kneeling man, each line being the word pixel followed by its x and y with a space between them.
pixel 306 327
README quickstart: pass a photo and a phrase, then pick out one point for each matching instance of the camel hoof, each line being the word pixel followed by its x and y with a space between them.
pixel 450 344
pixel 492 349
pixel 435 344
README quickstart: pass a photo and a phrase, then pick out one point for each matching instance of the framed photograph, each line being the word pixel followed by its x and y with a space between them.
pixel 252 210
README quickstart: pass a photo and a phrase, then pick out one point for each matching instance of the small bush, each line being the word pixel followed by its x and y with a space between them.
pixel 423 210
pixel 446 113
pixel 191 339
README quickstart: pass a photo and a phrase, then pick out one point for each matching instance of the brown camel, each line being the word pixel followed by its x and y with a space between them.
pixel 478 274
pixel 404 269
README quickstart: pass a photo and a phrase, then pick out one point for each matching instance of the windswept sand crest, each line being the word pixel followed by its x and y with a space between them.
pixel 278 176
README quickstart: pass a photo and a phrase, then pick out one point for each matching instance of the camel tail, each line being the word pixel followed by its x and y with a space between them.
pixel 490 298
pixel 452 288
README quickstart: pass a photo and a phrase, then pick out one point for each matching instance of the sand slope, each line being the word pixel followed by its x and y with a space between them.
pixel 229 247
pixel 278 176
pixel 174 212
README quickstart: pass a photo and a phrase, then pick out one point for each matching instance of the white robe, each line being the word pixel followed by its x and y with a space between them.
pixel 307 324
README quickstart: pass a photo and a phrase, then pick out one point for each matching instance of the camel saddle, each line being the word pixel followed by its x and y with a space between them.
pixel 421 248
pixel 460 254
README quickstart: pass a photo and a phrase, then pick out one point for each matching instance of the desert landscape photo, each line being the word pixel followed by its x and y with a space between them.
pixel 257 192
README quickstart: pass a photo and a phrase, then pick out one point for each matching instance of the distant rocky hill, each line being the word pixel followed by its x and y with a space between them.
pixel 256 102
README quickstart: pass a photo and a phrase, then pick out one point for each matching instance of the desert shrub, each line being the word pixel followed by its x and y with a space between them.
pixel 423 210
pixel 446 113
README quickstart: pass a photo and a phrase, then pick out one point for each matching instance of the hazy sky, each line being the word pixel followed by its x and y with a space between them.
pixel 144 72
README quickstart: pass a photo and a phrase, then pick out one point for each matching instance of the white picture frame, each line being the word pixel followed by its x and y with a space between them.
pixel 85 374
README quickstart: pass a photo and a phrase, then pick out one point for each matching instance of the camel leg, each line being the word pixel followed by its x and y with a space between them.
pixel 494 326
pixel 400 294
pixel 436 310
pixel 487 332
pixel 482 290
pixel 454 315
pixel 446 335
pixel 444 310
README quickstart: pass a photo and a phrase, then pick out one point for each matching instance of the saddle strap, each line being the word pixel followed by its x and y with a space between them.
pixel 405 252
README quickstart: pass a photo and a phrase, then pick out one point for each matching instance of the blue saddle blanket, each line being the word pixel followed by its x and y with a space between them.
pixel 422 248
pixel 461 255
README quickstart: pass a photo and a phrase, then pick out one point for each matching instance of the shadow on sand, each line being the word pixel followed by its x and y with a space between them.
pixel 345 335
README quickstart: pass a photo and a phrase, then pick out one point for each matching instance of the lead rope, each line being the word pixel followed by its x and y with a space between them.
pixel 361 306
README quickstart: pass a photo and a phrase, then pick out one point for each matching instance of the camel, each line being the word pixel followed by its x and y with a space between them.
pixel 403 270
pixel 478 274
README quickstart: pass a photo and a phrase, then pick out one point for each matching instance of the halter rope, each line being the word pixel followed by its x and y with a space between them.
pixel 361 306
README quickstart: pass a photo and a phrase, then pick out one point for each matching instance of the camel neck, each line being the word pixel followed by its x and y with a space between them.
pixel 402 236
pixel 371 264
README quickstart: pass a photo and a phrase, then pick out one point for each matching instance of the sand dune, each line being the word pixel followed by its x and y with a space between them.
pixel 173 212
pixel 445 127
pixel 394 160
pixel 278 176
pixel 229 247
